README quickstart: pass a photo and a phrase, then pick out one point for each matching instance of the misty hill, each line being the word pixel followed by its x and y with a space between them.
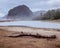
pixel 37 13
pixel 19 12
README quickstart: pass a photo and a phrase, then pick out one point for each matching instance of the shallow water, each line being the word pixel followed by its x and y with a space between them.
pixel 38 24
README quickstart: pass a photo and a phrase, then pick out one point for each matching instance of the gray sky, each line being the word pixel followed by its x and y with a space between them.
pixel 34 5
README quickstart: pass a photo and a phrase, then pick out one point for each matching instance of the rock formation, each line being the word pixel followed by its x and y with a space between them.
pixel 21 11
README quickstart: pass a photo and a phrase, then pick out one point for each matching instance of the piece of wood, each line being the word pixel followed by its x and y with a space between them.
pixel 22 34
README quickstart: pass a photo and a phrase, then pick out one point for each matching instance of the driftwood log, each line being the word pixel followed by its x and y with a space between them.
pixel 22 34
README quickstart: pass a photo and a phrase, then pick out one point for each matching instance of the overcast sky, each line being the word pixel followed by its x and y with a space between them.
pixel 34 5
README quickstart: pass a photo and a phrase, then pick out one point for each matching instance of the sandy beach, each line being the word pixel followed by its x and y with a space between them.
pixel 27 41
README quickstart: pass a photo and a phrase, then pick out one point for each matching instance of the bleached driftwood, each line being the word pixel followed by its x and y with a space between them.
pixel 28 31
pixel 21 34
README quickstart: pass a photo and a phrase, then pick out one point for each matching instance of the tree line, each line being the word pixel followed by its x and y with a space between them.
pixel 49 15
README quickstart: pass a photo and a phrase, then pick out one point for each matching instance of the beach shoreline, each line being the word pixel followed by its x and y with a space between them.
pixel 27 42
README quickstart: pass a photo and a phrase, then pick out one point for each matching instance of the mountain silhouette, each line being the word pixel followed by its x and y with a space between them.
pixel 20 12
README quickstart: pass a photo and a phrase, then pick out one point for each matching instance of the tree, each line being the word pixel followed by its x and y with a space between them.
pixel 52 14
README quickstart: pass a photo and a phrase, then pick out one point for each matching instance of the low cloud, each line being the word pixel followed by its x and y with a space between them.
pixel 2 14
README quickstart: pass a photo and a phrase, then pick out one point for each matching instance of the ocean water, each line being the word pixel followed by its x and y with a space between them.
pixel 37 24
